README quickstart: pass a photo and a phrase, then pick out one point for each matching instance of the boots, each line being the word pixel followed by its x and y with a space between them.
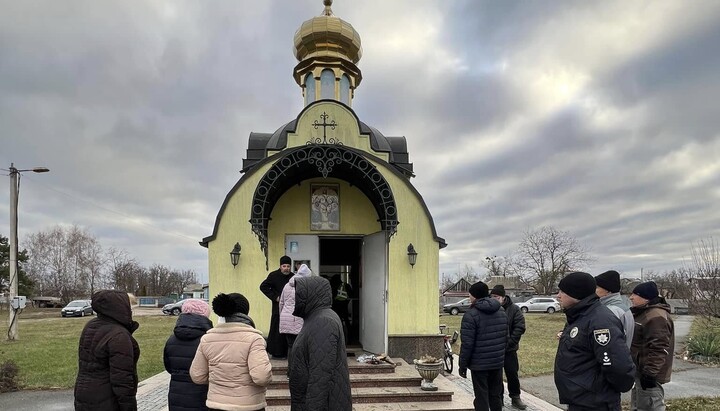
pixel 517 403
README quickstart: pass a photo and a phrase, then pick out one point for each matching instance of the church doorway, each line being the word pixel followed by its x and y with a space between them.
pixel 361 263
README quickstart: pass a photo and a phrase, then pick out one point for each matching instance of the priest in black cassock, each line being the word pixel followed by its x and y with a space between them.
pixel 272 287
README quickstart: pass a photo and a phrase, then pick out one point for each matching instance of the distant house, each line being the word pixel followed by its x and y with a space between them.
pixel 678 306
pixel 195 291
pixel 455 292
pixel 514 285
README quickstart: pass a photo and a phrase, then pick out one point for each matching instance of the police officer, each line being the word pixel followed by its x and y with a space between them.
pixel 593 363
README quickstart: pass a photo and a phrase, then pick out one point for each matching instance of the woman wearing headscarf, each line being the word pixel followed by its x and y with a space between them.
pixel 107 356
pixel 291 325
pixel 232 360
pixel 180 349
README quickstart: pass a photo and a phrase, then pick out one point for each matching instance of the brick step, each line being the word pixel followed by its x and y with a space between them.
pixel 398 406
pixel 373 395
pixel 279 367
pixel 362 380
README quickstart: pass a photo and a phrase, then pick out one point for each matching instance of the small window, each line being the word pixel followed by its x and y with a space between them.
pixel 309 89
pixel 345 89
pixel 327 84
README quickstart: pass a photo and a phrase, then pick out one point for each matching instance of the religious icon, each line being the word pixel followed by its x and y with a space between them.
pixel 325 206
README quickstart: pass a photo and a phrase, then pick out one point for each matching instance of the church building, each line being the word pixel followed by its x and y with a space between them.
pixel 331 191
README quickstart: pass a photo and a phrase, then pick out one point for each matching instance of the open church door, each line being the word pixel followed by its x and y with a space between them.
pixel 373 293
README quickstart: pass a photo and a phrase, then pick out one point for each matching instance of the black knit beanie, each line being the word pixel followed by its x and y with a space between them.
pixel 578 285
pixel 498 290
pixel 479 290
pixel 647 290
pixel 225 305
pixel 285 260
pixel 609 280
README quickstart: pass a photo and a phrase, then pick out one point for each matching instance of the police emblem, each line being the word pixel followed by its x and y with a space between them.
pixel 573 332
pixel 602 337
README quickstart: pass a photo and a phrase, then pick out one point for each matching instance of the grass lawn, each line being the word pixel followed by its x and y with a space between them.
pixel 46 351
pixel 537 346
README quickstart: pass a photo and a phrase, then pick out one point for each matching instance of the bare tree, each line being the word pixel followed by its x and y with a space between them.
pixel 672 284
pixel 704 277
pixel 498 266
pixel 124 272
pixel 546 254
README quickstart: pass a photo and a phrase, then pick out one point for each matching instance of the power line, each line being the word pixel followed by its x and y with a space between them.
pixel 132 218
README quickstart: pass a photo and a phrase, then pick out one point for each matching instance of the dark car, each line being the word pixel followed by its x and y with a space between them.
pixel 173 308
pixel 77 308
pixel 458 307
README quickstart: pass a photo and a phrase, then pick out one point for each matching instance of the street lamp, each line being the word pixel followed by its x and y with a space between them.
pixel 14 190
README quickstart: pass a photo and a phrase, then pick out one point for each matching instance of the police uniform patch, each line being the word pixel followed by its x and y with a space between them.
pixel 573 332
pixel 602 337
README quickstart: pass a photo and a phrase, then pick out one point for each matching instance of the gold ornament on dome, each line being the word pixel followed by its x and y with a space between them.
pixel 327 36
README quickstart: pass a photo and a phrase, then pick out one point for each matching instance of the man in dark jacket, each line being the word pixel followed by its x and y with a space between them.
pixel 652 347
pixel 483 334
pixel 107 356
pixel 319 377
pixel 272 287
pixel 592 364
pixel 178 355
pixel 516 328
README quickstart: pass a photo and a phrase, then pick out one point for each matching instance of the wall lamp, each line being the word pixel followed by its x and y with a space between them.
pixel 235 255
pixel 412 255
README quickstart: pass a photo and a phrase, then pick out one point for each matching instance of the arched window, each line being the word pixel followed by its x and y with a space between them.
pixel 309 89
pixel 345 89
pixel 327 84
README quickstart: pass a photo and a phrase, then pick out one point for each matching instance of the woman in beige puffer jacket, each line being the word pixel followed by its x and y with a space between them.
pixel 232 360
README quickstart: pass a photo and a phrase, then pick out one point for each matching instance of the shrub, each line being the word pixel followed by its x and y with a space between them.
pixel 8 376
pixel 706 344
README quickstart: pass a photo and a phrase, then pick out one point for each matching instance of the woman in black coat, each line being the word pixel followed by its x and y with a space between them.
pixel 193 323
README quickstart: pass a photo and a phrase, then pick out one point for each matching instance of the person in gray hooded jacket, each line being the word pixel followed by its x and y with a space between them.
pixel 319 377
pixel 608 289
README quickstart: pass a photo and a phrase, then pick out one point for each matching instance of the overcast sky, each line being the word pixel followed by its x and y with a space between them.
pixel 597 118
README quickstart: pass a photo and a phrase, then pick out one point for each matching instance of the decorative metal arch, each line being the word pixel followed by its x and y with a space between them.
pixel 321 160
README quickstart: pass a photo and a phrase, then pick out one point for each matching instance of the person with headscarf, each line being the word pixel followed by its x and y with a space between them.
pixel 180 349
pixel 272 287
pixel 319 377
pixel 291 325
pixel 231 358
pixel 107 356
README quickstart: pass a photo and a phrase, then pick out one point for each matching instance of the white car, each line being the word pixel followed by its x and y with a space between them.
pixel 540 304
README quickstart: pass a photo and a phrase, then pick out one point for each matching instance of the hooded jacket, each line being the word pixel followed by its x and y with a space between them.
pixel 184 394
pixel 319 377
pixel 516 324
pixel 107 356
pixel 592 364
pixel 232 360
pixel 290 324
pixel 622 311
pixel 483 335
pixel 653 340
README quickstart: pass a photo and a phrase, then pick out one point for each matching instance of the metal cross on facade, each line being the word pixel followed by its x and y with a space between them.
pixel 324 116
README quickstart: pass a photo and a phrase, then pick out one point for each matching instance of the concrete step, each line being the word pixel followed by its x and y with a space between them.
pixel 279 367
pixel 362 380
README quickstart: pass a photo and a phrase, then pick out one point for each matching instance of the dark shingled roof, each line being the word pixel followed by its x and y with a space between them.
pixel 260 143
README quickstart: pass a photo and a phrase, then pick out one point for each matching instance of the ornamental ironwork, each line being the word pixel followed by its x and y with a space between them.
pixel 315 160
pixel 324 117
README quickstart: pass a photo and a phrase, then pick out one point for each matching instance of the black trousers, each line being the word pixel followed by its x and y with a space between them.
pixel 488 388
pixel 511 373
pixel 290 338
pixel 607 407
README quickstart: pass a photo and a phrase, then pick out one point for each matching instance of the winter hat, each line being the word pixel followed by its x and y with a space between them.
pixel 304 271
pixel 647 290
pixel 285 260
pixel 195 306
pixel 578 285
pixel 479 290
pixel 225 305
pixel 609 280
pixel 498 290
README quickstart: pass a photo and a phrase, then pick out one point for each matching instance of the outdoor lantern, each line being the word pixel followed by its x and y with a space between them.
pixel 235 255
pixel 412 255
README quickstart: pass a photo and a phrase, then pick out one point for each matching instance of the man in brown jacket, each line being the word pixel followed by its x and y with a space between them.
pixel 652 347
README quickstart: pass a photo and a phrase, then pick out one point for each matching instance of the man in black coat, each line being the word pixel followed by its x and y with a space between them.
pixel 516 328
pixel 593 363
pixel 483 334
pixel 319 377
pixel 107 356
pixel 272 287
pixel 178 355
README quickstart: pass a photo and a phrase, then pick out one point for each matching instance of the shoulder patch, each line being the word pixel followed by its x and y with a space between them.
pixel 574 332
pixel 602 336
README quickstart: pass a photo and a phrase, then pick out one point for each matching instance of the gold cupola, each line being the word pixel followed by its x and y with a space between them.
pixel 328 49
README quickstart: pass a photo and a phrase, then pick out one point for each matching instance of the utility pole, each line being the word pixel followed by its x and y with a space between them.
pixel 12 334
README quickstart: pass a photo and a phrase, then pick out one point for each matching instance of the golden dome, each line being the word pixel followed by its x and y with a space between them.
pixel 327 36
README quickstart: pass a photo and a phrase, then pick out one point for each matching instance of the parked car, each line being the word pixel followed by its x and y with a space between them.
pixel 540 304
pixel 173 308
pixel 77 308
pixel 458 307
